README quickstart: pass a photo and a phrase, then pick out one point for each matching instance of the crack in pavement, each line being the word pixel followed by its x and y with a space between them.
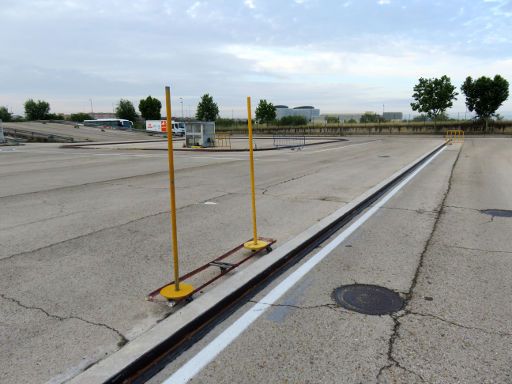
pixel 419 211
pixel 123 340
pixel 478 249
pixel 111 227
pixel 265 189
pixel 408 295
pixel 497 333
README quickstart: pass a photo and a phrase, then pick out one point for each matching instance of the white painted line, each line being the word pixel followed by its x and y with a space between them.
pixel 210 203
pixel 207 354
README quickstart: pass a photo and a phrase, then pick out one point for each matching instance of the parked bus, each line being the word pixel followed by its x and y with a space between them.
pixel 111 123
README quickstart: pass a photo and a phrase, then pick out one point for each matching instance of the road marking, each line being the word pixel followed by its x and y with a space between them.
pixel 217 345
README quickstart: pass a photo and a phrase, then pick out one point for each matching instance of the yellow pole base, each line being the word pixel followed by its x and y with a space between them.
pixel 256 246
pixel 170 292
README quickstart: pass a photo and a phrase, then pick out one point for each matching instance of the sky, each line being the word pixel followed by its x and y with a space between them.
pixel 340 56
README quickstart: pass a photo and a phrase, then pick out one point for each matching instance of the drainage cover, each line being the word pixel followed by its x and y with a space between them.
pixel 497 212
pixel 368 299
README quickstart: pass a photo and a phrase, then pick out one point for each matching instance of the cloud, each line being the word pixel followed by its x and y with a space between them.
pixel 249 4
pixel 327 53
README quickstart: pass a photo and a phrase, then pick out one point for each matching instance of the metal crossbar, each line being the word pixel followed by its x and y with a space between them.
pixel 289 141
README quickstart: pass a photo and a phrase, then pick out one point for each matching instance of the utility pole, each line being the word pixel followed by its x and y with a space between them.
pixel 92 111
pixel 181 101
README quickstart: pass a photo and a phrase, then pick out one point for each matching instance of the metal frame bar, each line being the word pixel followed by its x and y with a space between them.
pixel 156 292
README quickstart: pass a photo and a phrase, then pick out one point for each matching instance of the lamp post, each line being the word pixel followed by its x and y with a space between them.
pixel 181 102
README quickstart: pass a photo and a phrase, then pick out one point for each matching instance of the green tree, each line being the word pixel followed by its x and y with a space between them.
pixel 80 116
pixel 433 96
pixel 5 115
pixel 207 109
pixel 485 95
pixel 36 110
pixel 150 108
pixel 265 112
pixel 369 117
pixel 421 117
pixel 293 120
pixel 126 110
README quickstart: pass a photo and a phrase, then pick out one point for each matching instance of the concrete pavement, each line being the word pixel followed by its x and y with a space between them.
pixel 433 245
pixel 84 233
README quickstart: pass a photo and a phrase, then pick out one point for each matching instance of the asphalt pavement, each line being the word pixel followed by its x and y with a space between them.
pixel 442 243
pixel 85 236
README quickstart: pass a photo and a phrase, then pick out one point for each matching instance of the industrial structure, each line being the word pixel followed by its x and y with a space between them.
pixel 306 111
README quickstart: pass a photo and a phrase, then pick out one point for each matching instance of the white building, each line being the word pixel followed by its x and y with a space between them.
pixel 306 111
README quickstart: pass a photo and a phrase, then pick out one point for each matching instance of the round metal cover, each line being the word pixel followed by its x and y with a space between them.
pixel 368 299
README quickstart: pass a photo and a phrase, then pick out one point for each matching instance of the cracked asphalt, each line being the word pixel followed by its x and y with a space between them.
pixel 432 243
pixel 84 234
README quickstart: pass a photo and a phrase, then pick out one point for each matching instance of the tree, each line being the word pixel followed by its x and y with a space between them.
pixel 293 120
pixel 433 96
pixel 207 109
pixel 265 112
pixel 150 108
pixel 485 95
pixel 126 110
pixel 369 117
pixel 36 110
pixel 80 116
pixel 5 115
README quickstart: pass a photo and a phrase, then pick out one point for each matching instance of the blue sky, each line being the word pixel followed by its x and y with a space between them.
pixel 341 56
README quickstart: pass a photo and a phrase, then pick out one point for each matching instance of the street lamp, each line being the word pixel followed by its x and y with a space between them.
pixel 181 101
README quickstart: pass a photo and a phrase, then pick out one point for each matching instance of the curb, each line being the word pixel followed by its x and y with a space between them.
pixel 192 149
pixel 119 365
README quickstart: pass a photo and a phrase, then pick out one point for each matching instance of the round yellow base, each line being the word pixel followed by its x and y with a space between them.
pixel 170 292
pixel 260 244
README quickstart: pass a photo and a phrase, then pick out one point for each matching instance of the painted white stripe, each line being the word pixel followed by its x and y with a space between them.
pixel 207 354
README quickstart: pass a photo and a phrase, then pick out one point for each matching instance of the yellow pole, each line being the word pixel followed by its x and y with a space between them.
pixel 255 244
pixel 170 156
pixel 173 291
pixel 251 162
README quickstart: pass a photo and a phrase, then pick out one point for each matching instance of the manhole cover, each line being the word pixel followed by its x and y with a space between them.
pixel 368 299
pixel 384 156
pixel 497 212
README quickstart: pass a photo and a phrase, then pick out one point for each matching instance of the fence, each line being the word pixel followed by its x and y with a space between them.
pixel 222 140
pixel 289 141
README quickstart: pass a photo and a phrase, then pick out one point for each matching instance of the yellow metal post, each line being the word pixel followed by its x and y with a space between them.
pixel 255 244
pixel 174 291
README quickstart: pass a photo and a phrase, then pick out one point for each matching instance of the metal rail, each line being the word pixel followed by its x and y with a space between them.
pixel 155 360
pixel 37 136
pixel 289 141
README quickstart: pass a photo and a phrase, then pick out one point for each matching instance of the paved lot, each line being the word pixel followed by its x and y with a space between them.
pixel 433 244
pixel 85 233
pixel 79 134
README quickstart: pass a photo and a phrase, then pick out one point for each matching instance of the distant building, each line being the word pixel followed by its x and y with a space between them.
pixel 345 117
pixel 390 116
pixel 103 115
pixel 306 111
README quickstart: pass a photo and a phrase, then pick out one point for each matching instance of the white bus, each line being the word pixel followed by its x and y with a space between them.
pixel 110 123
pixel 160 126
